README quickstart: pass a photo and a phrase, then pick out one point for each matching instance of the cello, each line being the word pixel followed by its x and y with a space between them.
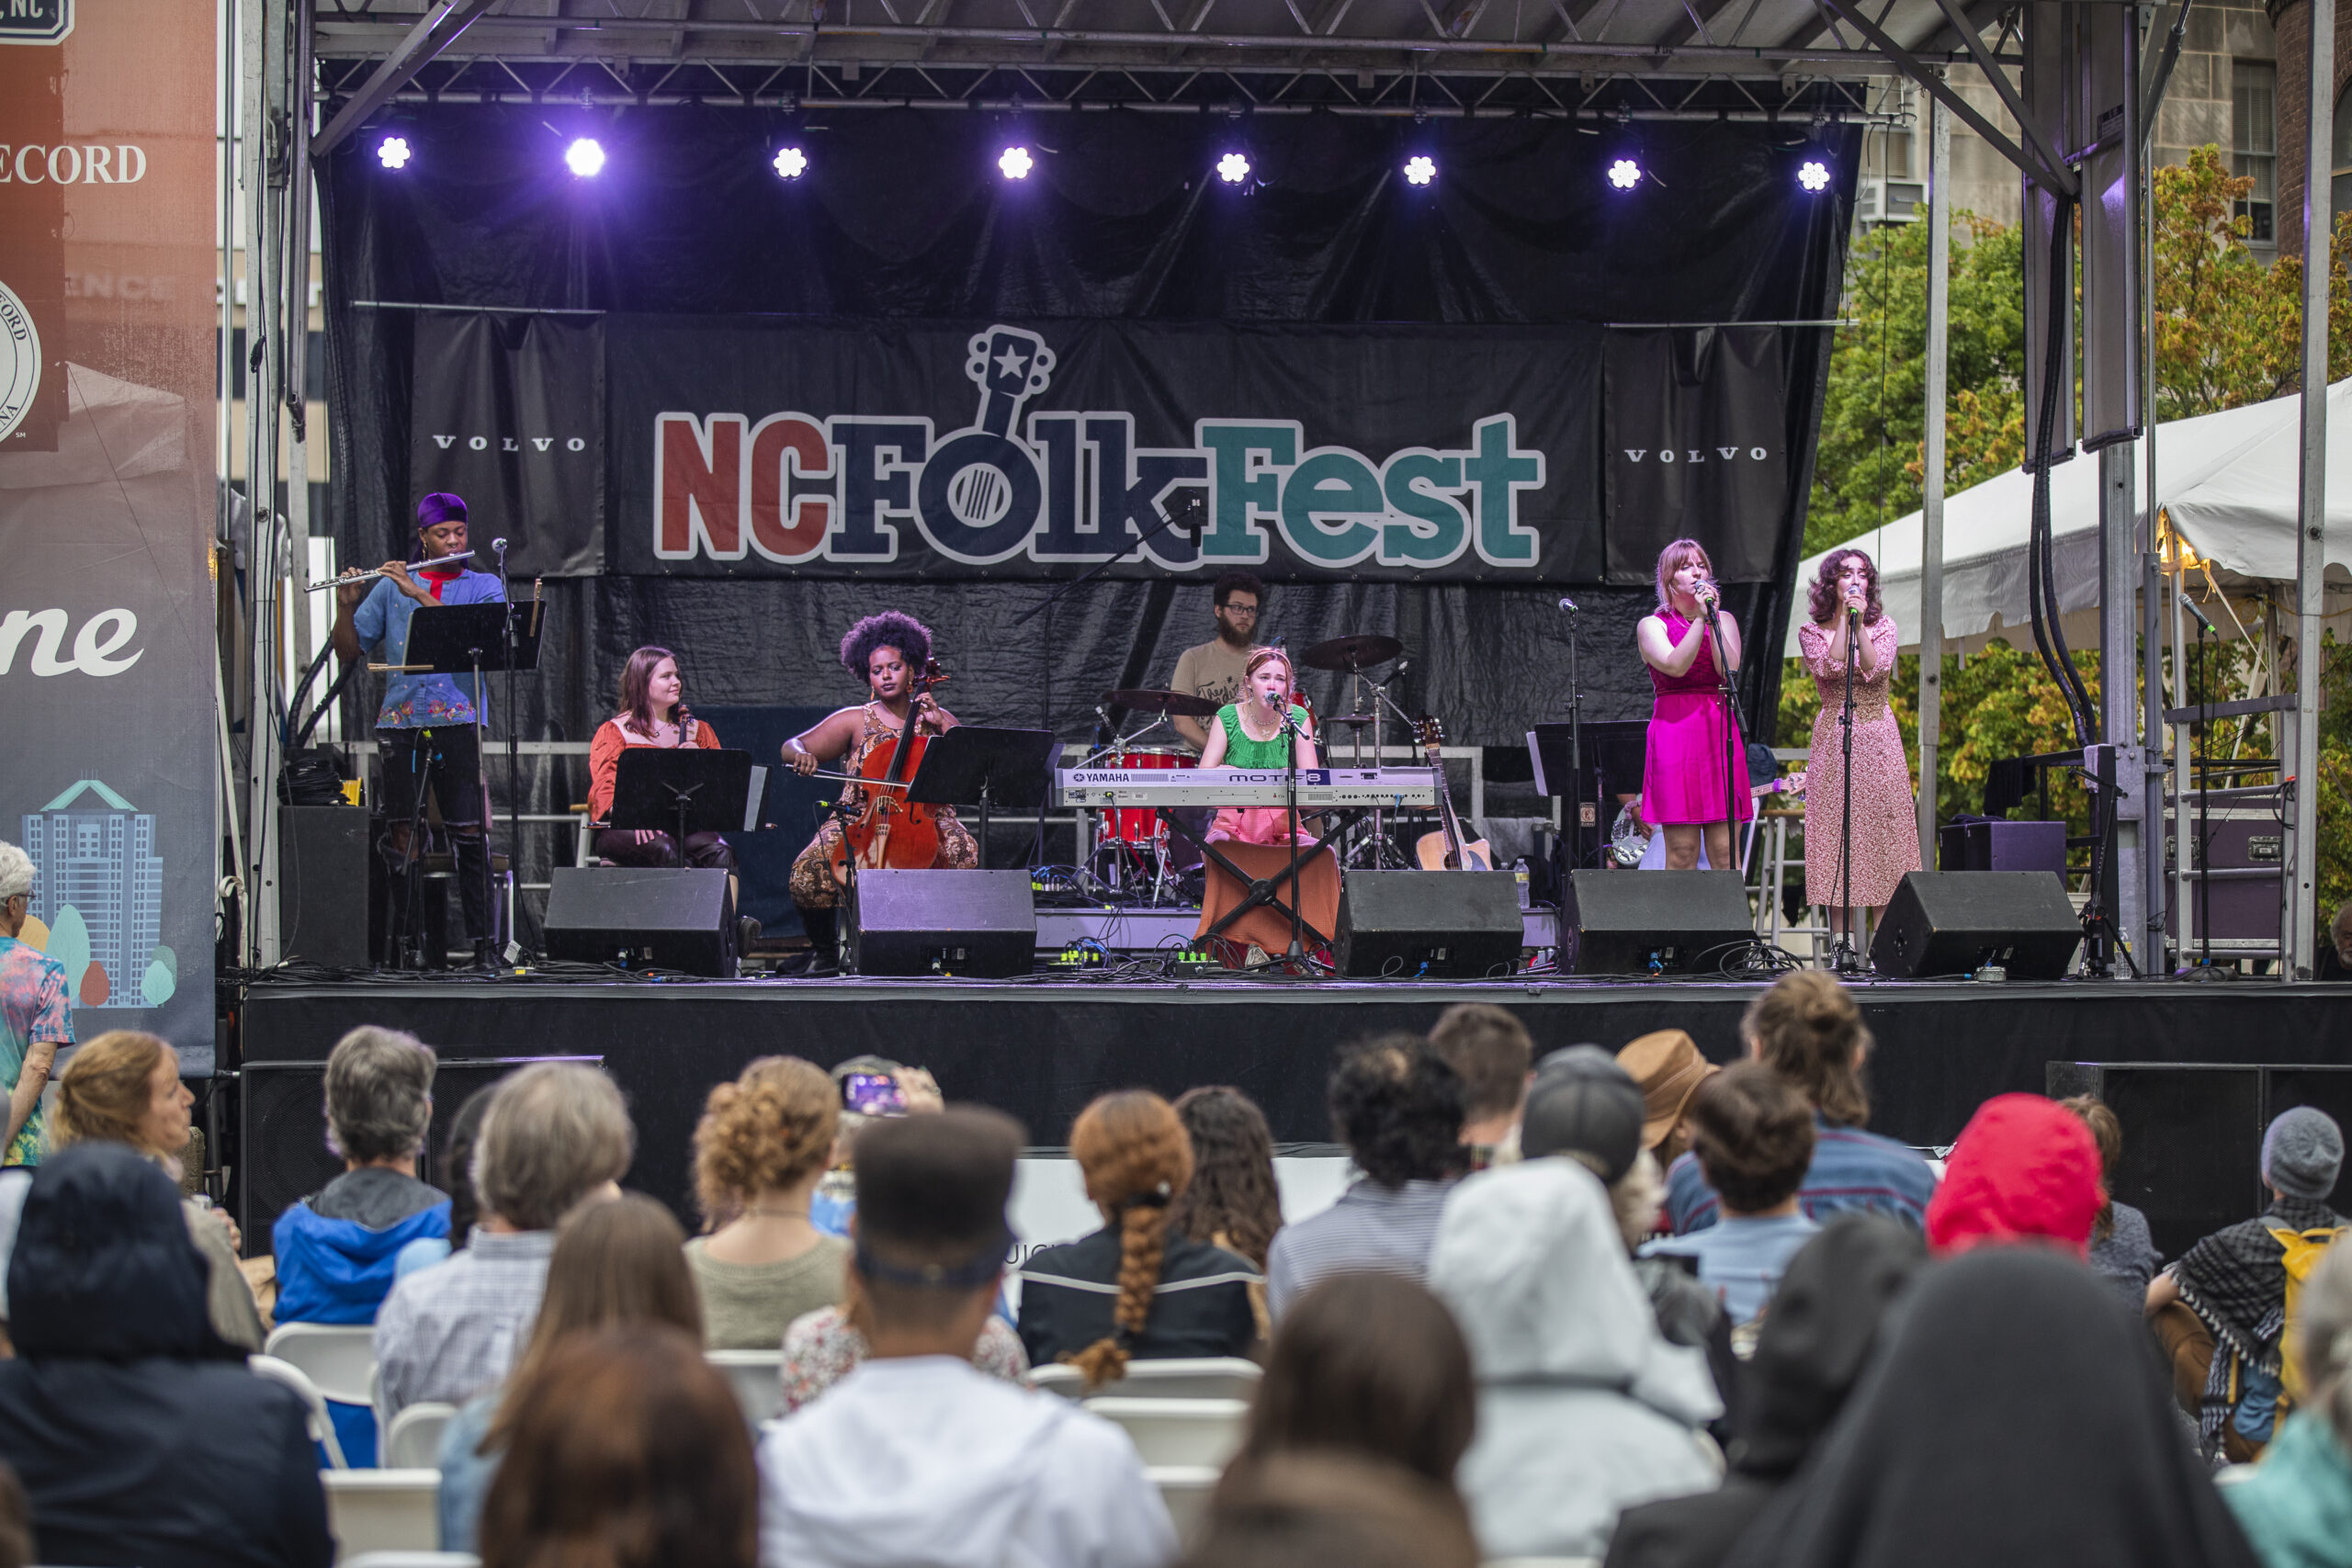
pixel 889 831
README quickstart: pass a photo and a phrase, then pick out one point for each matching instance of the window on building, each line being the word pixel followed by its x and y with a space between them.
pixel 2339 188
pixel 2254 144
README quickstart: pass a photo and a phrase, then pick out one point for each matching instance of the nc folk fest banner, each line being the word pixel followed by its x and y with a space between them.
pixel 107 501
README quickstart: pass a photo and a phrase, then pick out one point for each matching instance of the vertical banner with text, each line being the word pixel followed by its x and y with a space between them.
pixel 106 417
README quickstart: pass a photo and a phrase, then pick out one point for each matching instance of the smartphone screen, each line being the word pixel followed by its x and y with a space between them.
pixel 872 1094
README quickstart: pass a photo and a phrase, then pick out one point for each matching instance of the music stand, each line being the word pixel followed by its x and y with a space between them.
pixel 462 639
pixel 992 767
pixel 682 790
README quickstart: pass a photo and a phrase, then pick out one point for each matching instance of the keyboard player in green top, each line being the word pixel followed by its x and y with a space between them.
pixel 1250 733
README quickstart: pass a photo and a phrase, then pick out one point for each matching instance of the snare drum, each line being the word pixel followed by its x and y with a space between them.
pixel 1140 825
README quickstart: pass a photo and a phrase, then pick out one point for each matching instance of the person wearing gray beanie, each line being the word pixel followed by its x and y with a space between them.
pixel 2220 1312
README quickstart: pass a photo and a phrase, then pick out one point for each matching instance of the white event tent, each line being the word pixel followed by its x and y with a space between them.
pixel 2226 483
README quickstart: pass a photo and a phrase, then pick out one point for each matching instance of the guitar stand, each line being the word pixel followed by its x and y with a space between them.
pixel 1264 893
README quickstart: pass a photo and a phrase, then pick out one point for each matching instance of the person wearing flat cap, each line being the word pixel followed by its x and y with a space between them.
pixel 425 734
pixel 2224 1313
pixel 1666 1066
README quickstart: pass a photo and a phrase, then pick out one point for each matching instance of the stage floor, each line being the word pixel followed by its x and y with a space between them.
pixel 1041 1048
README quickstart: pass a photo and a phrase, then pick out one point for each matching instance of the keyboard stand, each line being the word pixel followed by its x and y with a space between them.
pixel 1263 892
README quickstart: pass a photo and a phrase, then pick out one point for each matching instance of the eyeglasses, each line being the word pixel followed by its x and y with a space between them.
pixel 1239 612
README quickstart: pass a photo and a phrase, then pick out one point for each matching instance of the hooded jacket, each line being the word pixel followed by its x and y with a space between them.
pixel 336 1249
pixel 925 1461
pixel 140 1436
pixel 2025 1169
pixel 1583 1409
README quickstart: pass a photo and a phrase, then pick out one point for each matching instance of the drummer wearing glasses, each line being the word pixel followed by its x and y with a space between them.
pixel 1215 669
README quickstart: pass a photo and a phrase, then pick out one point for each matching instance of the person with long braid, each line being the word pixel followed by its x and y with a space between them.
pixel 1173 1296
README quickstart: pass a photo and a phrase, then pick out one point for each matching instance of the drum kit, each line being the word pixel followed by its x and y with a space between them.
pixel 1132 850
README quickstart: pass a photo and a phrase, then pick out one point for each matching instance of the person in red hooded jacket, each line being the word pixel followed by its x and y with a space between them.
pixel 2025 1169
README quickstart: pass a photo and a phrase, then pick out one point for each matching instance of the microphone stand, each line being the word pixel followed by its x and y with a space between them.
pixel 1576 754
pixel 1731 741
pixel 514 754
pixel 1844 959
pixel 1297 952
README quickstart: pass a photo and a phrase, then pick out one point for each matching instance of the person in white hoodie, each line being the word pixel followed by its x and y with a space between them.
pixel 1583 1409
pixel 917 1459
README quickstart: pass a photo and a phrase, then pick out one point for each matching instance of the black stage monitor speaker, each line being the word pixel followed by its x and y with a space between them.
pixel 1411 925
pixel 1955 922
pixel 322 888
pixel 680 918
pixel 980 923
pixel 1638 922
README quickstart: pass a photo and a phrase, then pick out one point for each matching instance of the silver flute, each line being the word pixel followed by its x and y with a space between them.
pixel 413 566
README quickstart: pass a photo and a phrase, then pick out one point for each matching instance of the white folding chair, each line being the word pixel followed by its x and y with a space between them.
pixel 337 1358
pixel 383 1510
pixel 320 1424
pixel 1185 1489
pixel 1204 1432
pixel 1201 1376
pixel 413 1442
pixel 1542 1562
pixel 412 1560
pixel 757 1378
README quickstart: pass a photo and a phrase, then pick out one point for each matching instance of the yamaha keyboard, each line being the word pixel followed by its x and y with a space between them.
pixel 1394 789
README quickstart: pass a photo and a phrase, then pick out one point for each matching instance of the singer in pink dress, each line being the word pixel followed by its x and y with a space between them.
pixel 1691 747
pixel 1885 832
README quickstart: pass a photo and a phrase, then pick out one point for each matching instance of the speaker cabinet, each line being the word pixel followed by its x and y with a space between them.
pixel 680 918
pixel 2192 1134
pixel 282 1109
pixel 1942 923
pixel 980 923
pixel 322 884
pixel 1453 925
pixel 1638 922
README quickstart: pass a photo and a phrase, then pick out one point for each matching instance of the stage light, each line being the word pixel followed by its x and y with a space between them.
pixel 1420 169
pixel 1625 173
pixel 585 157
pixel 1813 175
pixel 1015 163
pixel 1233 168
pixel 393 151
pixel 791 163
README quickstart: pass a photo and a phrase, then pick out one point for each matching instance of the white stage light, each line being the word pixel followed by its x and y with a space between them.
pixel 1625 173
pixel 393 151
pixel 1813 175
pixel 791 163
pixel 1015 163
pixel 585 157
pixel 1233 168
pixel 1420 169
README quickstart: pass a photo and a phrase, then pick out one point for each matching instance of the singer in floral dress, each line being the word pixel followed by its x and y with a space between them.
pixel 1885 837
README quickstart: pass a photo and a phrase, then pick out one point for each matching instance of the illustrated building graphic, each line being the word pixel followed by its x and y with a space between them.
pixel 99 857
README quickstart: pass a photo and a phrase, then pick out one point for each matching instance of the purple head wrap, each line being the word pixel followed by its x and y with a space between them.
pixel 440 507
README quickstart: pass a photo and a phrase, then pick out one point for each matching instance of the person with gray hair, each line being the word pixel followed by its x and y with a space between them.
pixel 2296 1509
pixel 556 1135
pixel 336 1249
pixel 36 1011
pixel 2222 1312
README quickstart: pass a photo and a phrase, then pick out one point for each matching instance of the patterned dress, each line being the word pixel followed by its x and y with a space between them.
pixel 35 1004
pixel 1886 825
pixel 812 882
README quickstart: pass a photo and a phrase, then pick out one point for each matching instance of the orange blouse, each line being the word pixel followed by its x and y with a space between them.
pixel 604 758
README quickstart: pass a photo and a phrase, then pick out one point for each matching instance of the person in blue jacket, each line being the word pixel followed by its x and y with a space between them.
pixel 335 1248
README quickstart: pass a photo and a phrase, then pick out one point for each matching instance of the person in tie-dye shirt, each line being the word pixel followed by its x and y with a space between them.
pixel 36 1011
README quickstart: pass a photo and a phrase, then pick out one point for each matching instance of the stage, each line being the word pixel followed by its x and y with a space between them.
pixel 1040 1048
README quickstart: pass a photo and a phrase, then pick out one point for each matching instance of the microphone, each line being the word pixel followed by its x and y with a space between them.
pixel 1567 604
pixel 500 545
pixel 2190 605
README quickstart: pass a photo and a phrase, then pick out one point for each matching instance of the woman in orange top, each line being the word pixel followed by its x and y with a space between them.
pixel 650 715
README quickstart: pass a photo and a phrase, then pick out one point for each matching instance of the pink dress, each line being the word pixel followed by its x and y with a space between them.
pixel 1886 825
pixel 1683 774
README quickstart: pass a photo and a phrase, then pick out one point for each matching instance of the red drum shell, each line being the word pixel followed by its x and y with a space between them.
pixel 1140 825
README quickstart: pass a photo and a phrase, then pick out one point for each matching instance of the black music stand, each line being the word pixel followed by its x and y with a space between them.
pixel 974 764
pixel 680 790
pixel 467 639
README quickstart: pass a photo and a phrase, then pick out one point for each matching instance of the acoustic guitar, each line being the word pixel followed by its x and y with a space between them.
pixel 1445 849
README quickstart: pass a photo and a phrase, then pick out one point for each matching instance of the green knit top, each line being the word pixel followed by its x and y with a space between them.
pixel 1241 751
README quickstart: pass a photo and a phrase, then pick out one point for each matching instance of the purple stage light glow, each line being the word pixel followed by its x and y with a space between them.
pixel 1813 175
pixel 1015 163
pixel 791 164
pixel 1233 168
pixel 393 151
pixel 1420 169
pixel 585 157
pixel 1625 173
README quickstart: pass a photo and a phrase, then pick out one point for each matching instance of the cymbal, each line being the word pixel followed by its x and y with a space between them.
pixel 1353 720
pixel 1176 704
pixel 1349 654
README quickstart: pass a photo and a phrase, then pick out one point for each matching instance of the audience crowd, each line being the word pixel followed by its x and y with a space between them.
pixel 1634 1308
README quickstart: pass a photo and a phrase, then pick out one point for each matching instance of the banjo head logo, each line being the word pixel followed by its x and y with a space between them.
pixel 19 362
pixel 35 21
